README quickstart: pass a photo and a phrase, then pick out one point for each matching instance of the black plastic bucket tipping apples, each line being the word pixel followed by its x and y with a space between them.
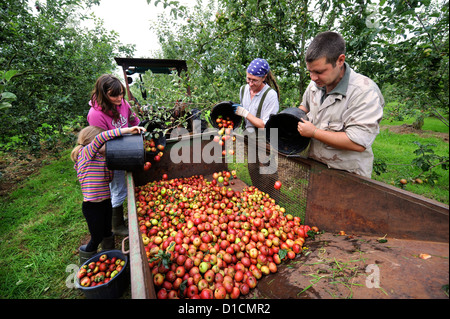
pixel 290 141
pixel 125 153
pixel 225 109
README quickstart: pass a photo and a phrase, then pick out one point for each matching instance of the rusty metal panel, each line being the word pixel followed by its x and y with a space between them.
pixel 342 201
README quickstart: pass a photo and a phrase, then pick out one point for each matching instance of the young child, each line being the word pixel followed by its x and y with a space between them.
pixel 94 177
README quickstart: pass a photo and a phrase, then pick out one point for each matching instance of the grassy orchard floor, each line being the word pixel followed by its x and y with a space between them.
pixel 41 224
pixel 397 150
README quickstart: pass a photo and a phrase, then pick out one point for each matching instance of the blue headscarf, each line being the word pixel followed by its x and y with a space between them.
pixel 258 67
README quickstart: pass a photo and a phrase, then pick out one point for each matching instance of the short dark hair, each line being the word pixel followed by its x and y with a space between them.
pixel 326 44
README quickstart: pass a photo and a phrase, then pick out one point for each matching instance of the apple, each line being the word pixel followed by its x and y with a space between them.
pixel 277 185
pixel 147 166
pixel 158 279
pixel 180 271
pixel 85 281
pixel 206 294
pixel 251 281
pixel 220 293
pixel 235 293
pixel 202 284
pixel 162 294
pixel 209 276
pixel 244 289
pixel 191 291
pixel 203 267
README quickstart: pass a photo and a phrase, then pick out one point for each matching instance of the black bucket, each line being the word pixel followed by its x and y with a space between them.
pixel 289 139
pixel 125 153
pixel 114 288
pixel 226 110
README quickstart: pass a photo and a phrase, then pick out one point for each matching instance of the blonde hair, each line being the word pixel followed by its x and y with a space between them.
pixel 85 137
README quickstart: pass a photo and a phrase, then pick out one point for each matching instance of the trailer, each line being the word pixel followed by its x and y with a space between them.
pixel 377 241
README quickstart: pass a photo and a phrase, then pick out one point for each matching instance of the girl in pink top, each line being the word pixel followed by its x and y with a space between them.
pixel 109 110
pixel 94 177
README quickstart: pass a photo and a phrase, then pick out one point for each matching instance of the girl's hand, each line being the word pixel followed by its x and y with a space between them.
pixel 133 130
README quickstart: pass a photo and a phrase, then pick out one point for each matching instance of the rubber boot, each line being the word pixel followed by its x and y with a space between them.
pixel 118 223
pixel 85 255
pixel 108 243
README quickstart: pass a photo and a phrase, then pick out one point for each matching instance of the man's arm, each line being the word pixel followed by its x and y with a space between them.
pixel 337 140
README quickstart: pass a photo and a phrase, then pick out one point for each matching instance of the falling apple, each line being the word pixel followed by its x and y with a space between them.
pixel 277 185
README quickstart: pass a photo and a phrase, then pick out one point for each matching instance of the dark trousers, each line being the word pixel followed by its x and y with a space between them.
pixel 98 217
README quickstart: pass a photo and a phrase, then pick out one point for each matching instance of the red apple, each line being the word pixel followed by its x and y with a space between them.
pixel 277 185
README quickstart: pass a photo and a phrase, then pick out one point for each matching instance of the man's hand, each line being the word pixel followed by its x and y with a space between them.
pixel 306 128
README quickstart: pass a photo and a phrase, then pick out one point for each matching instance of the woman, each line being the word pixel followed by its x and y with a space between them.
pixel 109 110
pixel 258 101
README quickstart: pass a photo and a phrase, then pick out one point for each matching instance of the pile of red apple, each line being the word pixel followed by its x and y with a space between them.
pixel 205 240
pixel 99 272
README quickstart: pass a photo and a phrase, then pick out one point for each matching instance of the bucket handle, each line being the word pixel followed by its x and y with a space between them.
pixel 125 252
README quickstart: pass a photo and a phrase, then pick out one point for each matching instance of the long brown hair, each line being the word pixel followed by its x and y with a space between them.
pixel 104 84
pixel 85 137
pixel 272 82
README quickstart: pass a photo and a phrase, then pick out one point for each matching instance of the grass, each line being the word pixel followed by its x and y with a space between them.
pixel 41 227
pixel 397 151
pixel 41 224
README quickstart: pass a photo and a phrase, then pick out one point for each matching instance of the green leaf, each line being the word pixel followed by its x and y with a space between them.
pixel 8 96
pixel 282 253
pixel 4 105
pixel 9 74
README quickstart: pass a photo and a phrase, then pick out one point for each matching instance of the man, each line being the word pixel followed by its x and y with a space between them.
pixel 344 108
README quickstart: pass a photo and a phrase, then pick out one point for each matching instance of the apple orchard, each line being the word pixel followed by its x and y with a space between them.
pixel 205 240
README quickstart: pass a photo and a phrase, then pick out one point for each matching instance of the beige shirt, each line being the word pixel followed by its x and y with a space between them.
pixel 355 107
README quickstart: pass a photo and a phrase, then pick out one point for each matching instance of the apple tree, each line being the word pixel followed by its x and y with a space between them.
pixel 56 62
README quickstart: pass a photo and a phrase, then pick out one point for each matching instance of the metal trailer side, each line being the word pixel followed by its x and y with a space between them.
pixel 335 201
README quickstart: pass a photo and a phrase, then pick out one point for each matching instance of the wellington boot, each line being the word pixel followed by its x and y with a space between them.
pixel 85 255
pixel 118 223
pixel 108 243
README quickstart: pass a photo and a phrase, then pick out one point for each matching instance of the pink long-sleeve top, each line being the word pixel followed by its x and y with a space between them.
pixel 127 117
pixel 92 172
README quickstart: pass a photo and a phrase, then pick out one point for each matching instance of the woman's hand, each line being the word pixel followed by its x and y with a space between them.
pixel 239 110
